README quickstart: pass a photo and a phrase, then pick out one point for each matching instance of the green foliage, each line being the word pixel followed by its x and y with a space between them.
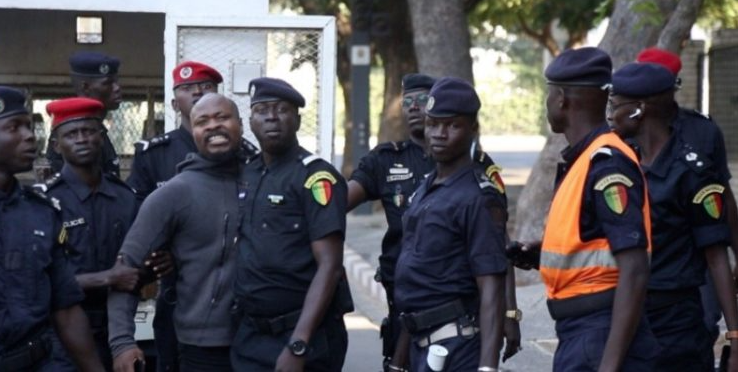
pixel 717 14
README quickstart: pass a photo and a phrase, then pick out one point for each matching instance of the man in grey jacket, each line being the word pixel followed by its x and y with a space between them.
pixel 195 215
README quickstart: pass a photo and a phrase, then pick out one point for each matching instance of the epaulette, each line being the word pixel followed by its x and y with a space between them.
pixel 45 199
pixel 113 178
pixel 694 160
pixel 602 151
pixel 309 159
pixel 482 180
pixel 145 145
pixel 390 146
pixel 49 183
pixel 249 148
pixel 694 112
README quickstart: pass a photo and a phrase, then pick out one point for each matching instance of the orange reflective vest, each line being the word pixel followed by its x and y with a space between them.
pixel 569 266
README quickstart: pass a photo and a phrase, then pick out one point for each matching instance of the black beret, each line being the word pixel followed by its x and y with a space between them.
pixel 270 89
pixel 412 82
pixel 93 64
pixel 452 97
pixel 642 80
pixel 580 67
pixel 12 102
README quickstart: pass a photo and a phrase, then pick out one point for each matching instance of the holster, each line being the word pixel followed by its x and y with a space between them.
pixel 385 333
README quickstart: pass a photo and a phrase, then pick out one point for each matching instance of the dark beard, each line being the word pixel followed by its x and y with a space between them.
pixel 223 157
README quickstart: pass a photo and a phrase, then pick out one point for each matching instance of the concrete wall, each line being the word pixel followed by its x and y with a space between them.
pixel 36 45
pixel 692 69
pixel 724 86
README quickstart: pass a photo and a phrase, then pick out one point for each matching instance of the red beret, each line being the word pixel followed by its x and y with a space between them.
pixel 70 109
pixel 194 72
pixel 662 57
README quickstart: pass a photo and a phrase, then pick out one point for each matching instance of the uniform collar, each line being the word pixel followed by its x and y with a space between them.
pixel 295 153
pixel 660 166
pixel 572 152
pixel 187 138
pixel 449 181
pixel 81 189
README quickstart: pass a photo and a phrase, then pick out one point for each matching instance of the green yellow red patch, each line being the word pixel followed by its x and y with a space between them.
pixel 614 188
pixel 493 173
pixel 320 185
pixel 711 198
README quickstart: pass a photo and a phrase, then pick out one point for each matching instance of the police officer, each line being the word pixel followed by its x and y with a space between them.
pixel 690 232
pixel 195 215
pixel 97 210
pixel 291 248
pixel 391 172
pixel 594 254
pixel 154 163
pixel 450 275
pixel 36 284
pixel 705 136
pixel 94 75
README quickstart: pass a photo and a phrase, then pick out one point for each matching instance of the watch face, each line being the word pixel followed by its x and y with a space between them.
pixel 298 348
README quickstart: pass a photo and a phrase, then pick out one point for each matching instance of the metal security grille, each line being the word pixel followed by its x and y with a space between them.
pixel 125 125
pixel 289 54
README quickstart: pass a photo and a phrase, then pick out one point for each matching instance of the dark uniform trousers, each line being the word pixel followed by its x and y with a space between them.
pixel 257 351
pixel 196 359
pixel 463 354
pixel 681 332
pixel 582 344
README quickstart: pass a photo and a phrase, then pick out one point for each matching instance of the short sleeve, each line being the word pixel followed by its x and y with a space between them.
pixel 65 290
pixel 369 174
pixel 483 224
pixel 324 201
pixel 704 197
pixel 617 188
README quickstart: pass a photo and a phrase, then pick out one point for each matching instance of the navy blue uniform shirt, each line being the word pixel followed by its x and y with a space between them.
pixel 110 159
pixel 598 219
pixel 391 172
pixel 97 222
pixel 706 137
pixel 454 231
pixel 156 159
pixel 685 217
pixel 282 216
pixel 35 279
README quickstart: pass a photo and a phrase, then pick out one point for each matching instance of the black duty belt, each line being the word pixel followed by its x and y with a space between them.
pixel 580 305
pixel 28 354
pixel 276 325
pixel 660 299
pixel 423 320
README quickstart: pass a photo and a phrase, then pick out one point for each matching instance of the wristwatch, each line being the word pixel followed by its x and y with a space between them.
pixel 515 314
pixel 298 347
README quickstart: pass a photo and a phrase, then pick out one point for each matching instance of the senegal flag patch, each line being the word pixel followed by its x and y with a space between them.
pixel 493 173
pixel 320 185
pixel 614 188
pixel 711 198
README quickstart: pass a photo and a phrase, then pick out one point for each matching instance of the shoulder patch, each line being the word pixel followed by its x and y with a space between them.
pixel 309 159
pixel 612 179
pixel 711 198
pixel 145 145
pixel 320 185
pixel 614 190
pixel 606 151
pixel 493 174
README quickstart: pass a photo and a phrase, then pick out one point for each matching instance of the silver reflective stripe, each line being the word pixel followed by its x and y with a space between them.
pixel 578 260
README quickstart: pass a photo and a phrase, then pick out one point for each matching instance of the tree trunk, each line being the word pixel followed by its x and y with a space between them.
pixel 397 52
pixel 677 29
pixel 441 36
pixel 628 32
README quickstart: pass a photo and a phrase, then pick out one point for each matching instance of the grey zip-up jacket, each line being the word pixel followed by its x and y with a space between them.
pixel 194 215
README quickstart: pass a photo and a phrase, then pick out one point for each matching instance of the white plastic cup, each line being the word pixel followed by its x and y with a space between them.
pixel 436 357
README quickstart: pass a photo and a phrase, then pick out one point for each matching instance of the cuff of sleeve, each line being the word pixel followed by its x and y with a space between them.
pixel 365 181
pixel 705 236
pixel 119 349
pixel 489 265
pixel 635 238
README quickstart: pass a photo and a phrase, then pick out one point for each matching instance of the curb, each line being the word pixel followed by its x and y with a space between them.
pixel 362 272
